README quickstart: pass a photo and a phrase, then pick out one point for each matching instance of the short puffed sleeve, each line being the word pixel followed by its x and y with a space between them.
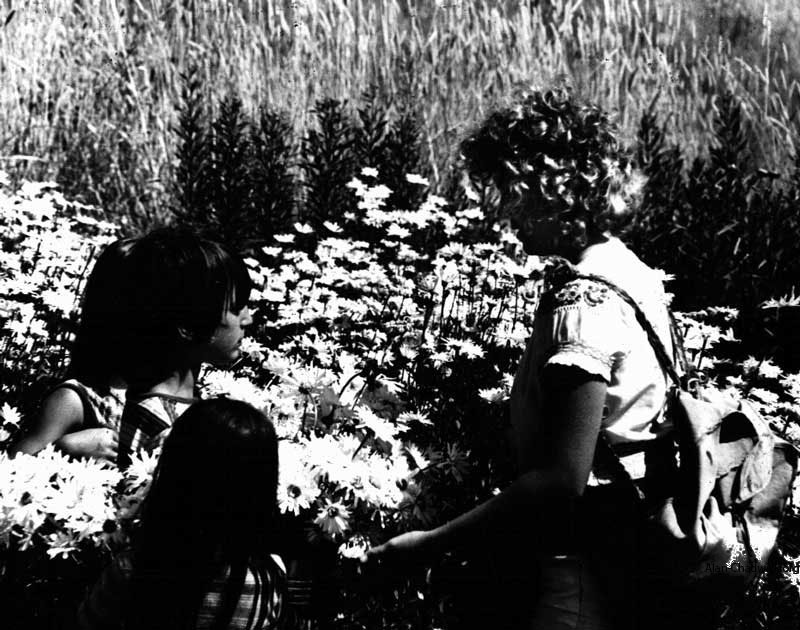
pixel 586 325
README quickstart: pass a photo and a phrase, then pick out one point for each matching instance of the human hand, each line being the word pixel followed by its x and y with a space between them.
pixel 98 443
pixel 409 546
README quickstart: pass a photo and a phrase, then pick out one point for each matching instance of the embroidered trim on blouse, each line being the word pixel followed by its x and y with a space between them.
pixel 575 347
pixel 576 293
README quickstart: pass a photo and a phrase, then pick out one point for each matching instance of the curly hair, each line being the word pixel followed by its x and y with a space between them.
pixel 562 152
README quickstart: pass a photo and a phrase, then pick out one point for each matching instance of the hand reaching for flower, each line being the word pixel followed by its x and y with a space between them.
pixel 414 545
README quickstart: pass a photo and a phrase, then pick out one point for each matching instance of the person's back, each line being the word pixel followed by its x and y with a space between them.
pixel 259 605
pixel 203 556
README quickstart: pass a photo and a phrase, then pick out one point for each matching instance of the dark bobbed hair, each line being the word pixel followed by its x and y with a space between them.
pixel 558 155
pixel 179 287
pixel 212 505
pixel 94 355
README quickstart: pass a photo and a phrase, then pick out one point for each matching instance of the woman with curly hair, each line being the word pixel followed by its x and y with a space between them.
pixel 588 382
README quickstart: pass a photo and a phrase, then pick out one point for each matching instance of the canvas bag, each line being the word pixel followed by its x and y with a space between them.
pixel 718 528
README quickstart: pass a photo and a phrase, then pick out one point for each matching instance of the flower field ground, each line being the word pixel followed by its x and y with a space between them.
pixel 384 369
pixel 390 310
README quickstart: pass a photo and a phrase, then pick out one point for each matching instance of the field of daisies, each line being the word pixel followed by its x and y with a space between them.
pixel 383 350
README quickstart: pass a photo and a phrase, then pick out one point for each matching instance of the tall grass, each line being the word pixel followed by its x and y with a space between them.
pixel 91 86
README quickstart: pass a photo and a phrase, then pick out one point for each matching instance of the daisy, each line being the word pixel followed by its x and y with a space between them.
pixel 412 178
pixel 333 227
pixel 381 428
pixel 416 457
pixel 303 228
pixel 408 417
pixel 296 497
pixel 333 518
pixel 355 548
pixel 493 395
pixel 10 415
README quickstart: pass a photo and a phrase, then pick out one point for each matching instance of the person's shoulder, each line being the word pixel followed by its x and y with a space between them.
pixel 66 400
pixel 616 263
pixel 65 392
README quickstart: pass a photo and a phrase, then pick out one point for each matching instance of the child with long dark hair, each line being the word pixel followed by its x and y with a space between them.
pixel 203 556
pixel 187 305
pixel 81 414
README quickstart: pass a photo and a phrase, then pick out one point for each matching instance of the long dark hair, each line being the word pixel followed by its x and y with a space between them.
pixel 179 288
pixel 212 506
pixel 94 355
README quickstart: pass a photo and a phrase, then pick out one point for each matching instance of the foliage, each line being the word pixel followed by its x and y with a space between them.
pixel 191 178
pixel 94 90
pixel 235 176
pixel 47 248
pixel 327 162
pixel 274 194
pixel 232 180
pixel 726 218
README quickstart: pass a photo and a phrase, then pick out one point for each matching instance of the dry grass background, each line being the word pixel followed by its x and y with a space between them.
pixel 88 88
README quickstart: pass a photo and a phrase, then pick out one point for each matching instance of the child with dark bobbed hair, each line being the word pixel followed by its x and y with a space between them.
pixel 81 414
pixel 187 305
pixel 203 556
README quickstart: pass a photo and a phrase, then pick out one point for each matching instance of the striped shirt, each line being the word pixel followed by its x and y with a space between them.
pixel 259 607
pixel 146 421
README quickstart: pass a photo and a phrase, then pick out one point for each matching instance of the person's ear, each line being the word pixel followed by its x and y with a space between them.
pixel 185 334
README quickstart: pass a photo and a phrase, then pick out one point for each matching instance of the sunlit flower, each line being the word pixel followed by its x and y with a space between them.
pixel 415 455
pixel 764 395
pixel 493 395
pixel 768 369
pixel 297 488
pixel 355 548
pixel 382 429
pixel 224 383
pixel 411 178
pixel 407 417
pixel 333 518
pixel 10 415
pixel 252 348
pixel 398 232
pixel 333 227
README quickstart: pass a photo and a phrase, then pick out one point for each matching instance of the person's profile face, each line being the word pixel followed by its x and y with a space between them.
pixel 224 347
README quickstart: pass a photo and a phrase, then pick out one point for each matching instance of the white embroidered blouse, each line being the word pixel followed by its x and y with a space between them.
pixel 587 325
